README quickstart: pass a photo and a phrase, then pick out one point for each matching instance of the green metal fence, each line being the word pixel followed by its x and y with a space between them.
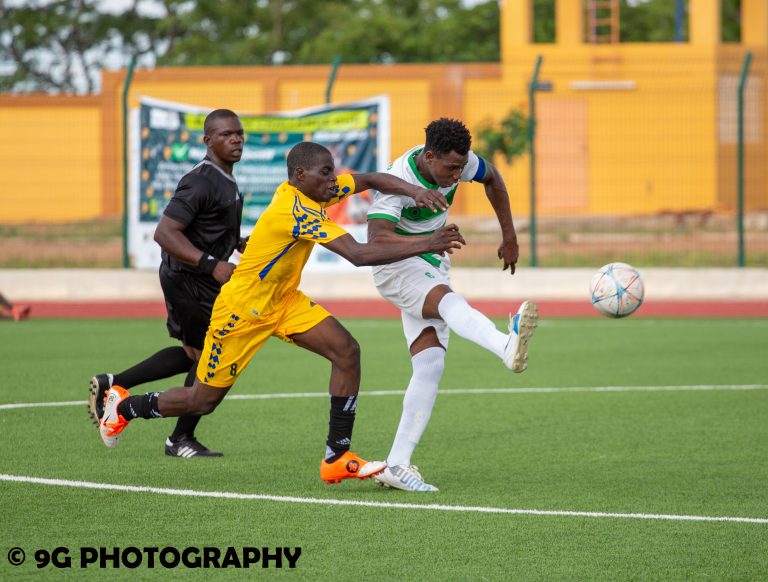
pixel 733 231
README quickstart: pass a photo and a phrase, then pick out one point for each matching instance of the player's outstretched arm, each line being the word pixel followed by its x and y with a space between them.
pixel 443 240
pixel 389 184
pixel 496 191
pixel 381 230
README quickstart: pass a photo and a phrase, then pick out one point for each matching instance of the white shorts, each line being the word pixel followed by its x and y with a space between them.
pixel 405 284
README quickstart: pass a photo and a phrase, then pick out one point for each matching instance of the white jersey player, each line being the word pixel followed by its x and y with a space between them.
pixel 420 286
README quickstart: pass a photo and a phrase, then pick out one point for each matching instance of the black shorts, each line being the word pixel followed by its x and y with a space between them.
pixel 189 300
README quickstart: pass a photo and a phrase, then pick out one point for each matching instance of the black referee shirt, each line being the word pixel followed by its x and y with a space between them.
pixel 208 203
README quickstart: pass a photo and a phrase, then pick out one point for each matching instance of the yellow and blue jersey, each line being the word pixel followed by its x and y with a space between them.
pixel 269 271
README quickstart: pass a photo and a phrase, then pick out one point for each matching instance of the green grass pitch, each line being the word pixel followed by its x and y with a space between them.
pixel 680 431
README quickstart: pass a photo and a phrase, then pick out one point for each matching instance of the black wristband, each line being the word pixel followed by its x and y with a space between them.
pixel 207 263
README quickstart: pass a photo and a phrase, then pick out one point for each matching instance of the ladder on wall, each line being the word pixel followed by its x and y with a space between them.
pixel 603 21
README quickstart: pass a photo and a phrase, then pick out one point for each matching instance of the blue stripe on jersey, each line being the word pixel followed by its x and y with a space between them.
pixel 265 271
pixel 306 224
pixel 299 207
pixel 344 191
pixel 481 170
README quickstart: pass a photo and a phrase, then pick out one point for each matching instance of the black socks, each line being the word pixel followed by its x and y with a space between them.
pixel 185 425
pixel 144 406
pixel 164 364
pixel 342 419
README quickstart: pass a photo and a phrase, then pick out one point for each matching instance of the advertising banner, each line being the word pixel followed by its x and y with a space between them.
pixel 168 141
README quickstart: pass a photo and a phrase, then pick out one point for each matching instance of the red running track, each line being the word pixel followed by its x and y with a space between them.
pixel 380 308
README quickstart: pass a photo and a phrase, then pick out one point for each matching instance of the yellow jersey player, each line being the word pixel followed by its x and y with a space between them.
pixel 262 300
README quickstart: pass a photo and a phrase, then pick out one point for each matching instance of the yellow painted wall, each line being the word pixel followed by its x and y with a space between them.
pixel 756 127
pixel 51 163
pixel 654 146
pixel 652 142
pixel 242 96
pixel 649 152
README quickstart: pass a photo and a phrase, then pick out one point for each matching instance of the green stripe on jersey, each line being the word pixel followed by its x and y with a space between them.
pixel 424 213
pixel 417 214
pixel 399 230
pixel 415 170
pixel 431 259
pixel 384 216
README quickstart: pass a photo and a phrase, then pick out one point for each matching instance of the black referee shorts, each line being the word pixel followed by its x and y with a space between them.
pixel 189 300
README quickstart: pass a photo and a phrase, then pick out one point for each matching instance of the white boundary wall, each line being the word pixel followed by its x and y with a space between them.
pixel 539 283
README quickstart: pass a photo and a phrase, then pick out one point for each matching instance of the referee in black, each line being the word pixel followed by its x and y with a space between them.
pixel 199 230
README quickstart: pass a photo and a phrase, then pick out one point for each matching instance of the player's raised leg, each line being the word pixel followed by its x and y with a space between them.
pixel 121 408
pixel 473 325
pixel 165 363
pixel 229 344
pixel 521 327
pixel 331 340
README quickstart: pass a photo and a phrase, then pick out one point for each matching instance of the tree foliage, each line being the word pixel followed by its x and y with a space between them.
pixel 61 45
pixel 655 20
pixel 507 138
pixel 359 31
pixel 650 21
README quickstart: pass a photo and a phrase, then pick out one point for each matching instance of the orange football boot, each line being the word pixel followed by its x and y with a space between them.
pixel 112 424
pixel 349 466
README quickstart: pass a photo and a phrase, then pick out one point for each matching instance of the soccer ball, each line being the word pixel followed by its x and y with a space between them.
pixel 617 290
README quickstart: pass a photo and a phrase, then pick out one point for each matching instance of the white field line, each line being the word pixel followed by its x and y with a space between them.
pixel 448 392
pixel 374 504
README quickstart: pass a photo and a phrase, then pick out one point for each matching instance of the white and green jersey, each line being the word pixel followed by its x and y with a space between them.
pixel 403 211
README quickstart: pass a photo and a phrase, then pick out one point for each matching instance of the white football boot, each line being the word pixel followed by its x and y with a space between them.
pixel 521 327
pixel 404 477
